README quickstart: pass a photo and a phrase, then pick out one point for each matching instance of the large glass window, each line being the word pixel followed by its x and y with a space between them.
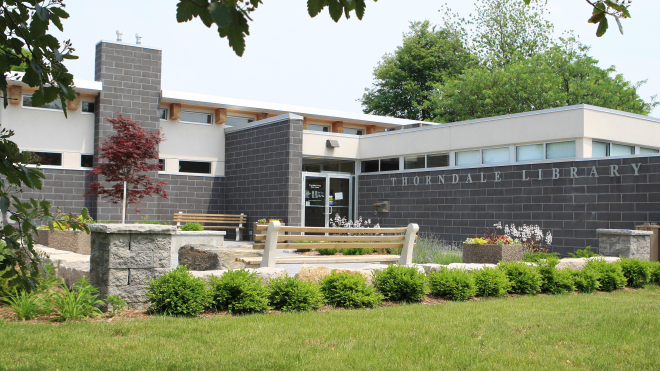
pixel 467 158
pixel 88 107
pixel 495 155
pixel 196 118
pixel 327 165
pixel 648 151
pixel 45 158
pixel 560 150
pixel 353 131
pixel 370 166
pixel 621 150
pixel 437 160
pixel 86 160
pixel 314 127
pixel 600 149
pixel 389 164
pixel 56 104
pixel 414 162
pixel 529 152
pixel 200 167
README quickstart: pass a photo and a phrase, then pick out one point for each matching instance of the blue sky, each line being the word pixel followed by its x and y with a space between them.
pixel 294 59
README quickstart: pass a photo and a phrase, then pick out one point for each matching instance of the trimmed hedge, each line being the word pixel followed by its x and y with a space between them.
pixel 400 283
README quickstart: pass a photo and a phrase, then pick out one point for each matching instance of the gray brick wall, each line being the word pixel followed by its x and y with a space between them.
pixel 131 77
pixel 263 172
pixel 190 194
pixel 572 208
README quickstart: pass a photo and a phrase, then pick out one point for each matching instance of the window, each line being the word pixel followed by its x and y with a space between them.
pixel 46 158
pixel 389 164
pixel 468 158
pixel 238 121
pixel 603 149
pixel 56 104
pixel 414 162
pixel 88 107
pixel 648 151
pixel 86 160
pixel 560 150
pixel 370 166
pixel 162 164
pixel 196 118
pixel 621 150
pixel 318 127
pixel 437 160
pixel 162 113
pixel 529 152
pixel 495 155
pixel 198 167
pixel 600 149
pixel 353 131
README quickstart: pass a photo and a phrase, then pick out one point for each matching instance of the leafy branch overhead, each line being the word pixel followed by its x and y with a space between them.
pixel 25 26
pixel 231 16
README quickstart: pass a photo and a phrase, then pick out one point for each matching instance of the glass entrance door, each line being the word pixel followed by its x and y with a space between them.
pixel 325 197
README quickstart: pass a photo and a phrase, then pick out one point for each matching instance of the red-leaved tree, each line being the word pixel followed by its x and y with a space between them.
pixel 123 159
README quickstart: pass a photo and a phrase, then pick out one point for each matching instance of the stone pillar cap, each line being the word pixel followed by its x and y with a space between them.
pixel 624 232
pixel 132 228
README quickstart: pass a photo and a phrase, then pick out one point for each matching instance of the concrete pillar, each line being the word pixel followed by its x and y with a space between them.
pixel 125 256
pixel 625 243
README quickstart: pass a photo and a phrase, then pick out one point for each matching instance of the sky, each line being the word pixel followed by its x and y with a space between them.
pixel 291 58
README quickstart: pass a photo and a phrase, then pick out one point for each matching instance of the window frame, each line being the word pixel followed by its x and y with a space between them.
pixel 82 104
pixel 186 172
pixel 81 161
pixel 48 166
pixel 197 123
pixel 39 108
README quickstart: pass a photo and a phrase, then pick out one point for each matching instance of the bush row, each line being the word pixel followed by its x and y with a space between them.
pixel 240 291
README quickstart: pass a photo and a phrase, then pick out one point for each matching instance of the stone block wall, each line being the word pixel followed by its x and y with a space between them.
pixel 625 243
pixel 125 257
pixel 264 172
pixel 572 201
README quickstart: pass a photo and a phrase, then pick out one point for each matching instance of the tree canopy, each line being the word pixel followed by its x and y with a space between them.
pixel 562 76
pixel 231 17
pixel 405 79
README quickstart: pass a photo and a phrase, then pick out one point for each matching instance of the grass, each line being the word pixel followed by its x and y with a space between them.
pixel 431 249
pixel 588 332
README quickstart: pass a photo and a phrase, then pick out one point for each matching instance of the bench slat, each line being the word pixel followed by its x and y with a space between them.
pixel 325 259
pixel 290 237
pixel 233 215
pixel 284 246
pixel 210 221
pixel 335 230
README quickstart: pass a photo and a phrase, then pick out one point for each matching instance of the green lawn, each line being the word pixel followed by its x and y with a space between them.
pixel 604 331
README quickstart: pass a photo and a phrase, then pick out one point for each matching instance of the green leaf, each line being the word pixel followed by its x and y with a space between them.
pixel 59 12
pixel 221 14
pixel 618 22
pixel 602 27
pixel 4 205
pixel 314 7
pixel 360 6
pixel 336 9
pixel 236 32
pixel 42 12
pixel 184 11
pixel 38 99
pixel 596 17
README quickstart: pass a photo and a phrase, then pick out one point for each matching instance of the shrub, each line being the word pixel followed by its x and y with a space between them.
pixel 455 284
pixel 400 283
pixel 655 273
pixel 192 227
pixel 585 253
pixel 80 302
pixel 26 305
pixel 636 271
pixel 239 291
pixel 491 282
pixel 586 280
pixel 524 278
pixel 610 275
pixel 540 256
pixel 178 293
pixel 349 290
pixel 356 251
pixel 327 251
pixel 431 249
pixel 554 281
pixel 293 294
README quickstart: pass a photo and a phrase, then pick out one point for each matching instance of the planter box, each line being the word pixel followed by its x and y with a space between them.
pixel 182 238
pixel 491 254
pixel 74 241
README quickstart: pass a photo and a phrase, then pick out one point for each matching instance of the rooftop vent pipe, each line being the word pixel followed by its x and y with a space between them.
pixel 119 33
pixel 138 38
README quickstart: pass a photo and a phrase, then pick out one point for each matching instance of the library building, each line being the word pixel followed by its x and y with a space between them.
pixel 570 170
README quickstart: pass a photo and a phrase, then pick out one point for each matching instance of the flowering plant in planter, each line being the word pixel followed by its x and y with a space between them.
pixel 266 221
pixel 530 236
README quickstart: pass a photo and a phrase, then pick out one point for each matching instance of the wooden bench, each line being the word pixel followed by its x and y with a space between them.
pixel 273 237
pixel 218 221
